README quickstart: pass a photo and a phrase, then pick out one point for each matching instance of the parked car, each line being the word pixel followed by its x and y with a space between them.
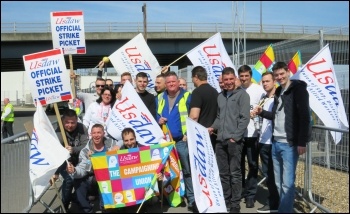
pixel 62 106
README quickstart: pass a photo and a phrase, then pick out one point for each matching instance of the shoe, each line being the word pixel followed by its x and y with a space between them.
pixel 266 209
pixel 249 202
pixel 235 210
pixel 192 207
pixel 228 206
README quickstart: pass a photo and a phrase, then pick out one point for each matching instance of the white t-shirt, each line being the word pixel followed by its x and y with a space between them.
pixel 256 92
pixel 266 127
pixel 87 98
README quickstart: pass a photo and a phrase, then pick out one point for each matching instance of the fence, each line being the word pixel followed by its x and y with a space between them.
pixel 45 27
pixel 16 190
pixel 323 174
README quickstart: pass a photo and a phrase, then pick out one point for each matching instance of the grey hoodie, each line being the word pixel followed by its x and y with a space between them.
pixel 84 161
pixel 233 115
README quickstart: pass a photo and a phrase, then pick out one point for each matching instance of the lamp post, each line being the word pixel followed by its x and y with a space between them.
pixel 144 10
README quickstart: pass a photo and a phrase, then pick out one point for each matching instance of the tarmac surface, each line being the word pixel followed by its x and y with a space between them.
pixel 53 202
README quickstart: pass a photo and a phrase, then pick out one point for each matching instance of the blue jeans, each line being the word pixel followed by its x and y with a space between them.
pixel 182 150
pixel 83 187
pixel 285 159
pixel 67 187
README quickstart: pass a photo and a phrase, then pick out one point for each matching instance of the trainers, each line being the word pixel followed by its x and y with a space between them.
pixel 192 207
pixel 266 209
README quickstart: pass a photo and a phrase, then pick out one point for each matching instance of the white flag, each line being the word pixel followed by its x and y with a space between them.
pixel 134 57
pixel 130 111
pixel 204 170
pixel 211 55
pixel 46 152
pixel 322 85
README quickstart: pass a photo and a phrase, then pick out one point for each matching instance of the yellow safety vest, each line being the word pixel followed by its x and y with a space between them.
pixel 10 117
pixel 182 109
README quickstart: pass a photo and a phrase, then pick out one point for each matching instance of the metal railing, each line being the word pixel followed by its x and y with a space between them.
pixel 130 27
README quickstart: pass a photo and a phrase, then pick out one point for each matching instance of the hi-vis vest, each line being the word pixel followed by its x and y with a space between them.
pixel 10 117
pixel 182 109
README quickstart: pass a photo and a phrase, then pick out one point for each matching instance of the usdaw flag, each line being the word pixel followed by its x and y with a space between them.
pixel 46 152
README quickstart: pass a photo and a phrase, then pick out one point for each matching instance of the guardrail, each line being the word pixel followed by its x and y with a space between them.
pixel 45 27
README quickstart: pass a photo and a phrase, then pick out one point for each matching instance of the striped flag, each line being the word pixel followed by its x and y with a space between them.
pixel 265 63
pixel 295 63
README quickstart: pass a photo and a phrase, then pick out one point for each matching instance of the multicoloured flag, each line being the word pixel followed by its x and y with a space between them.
pixel 124 177
pixel 295 63
pixel 265 63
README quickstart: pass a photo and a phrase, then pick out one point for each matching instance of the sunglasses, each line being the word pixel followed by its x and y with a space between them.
pixel 109 85
pixel 100 86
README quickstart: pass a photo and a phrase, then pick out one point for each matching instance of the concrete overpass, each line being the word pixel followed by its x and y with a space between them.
pixel 165 44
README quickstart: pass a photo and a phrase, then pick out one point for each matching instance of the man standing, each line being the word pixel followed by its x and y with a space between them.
pixel 89 98
pixel 291 131
pixel 250 145
pixel 183 83
pixel 231 123
pixel 204 100
pixel 172 108
pixel 77 138
pixel 265 145
pixel 7 118
pixel 160 83
pixel 141 82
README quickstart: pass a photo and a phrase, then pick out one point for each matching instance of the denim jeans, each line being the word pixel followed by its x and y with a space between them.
pixel 250 148
pixel 67 187
pixel 182 150
pixel 228 157
pixel 285 159
pixel 83 187
pixel 267 171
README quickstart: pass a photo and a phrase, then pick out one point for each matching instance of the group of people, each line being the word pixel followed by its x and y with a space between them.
pixel 232 118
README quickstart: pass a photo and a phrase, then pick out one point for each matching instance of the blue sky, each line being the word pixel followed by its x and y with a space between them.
pixel 307 13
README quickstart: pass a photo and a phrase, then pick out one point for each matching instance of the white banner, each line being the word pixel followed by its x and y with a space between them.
pixel 48 76
pixel 212 55
pixel 68 32
pixel 207 187
pixel 130 111
pixel 134 57
pixel 46 152
pixel 322 85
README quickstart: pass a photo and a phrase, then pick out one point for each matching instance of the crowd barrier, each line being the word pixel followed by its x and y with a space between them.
pixel 16 189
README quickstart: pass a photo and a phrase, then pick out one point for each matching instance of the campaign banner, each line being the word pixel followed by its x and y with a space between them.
pixel 212 55
pixel 130 111
pixel 46 152
pixel 48 76
pixel 68 31
pixel 204 170
pixel 124 176
pixel 324 94
pixel 134 57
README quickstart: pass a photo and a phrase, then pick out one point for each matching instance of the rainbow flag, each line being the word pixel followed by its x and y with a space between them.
pixel 295 63
pixel 265 63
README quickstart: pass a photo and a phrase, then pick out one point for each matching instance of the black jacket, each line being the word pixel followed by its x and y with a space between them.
pixel 297 110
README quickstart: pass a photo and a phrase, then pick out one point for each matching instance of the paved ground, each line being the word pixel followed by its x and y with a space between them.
pixel 50 199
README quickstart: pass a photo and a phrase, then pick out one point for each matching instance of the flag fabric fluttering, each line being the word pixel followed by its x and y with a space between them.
pixel 46 153
pixel 295 63
pixel 264 64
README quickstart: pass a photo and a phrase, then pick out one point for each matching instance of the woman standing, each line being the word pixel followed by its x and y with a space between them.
pixel 99 111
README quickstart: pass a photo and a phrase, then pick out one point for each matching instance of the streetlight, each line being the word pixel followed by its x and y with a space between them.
pixel 144 21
